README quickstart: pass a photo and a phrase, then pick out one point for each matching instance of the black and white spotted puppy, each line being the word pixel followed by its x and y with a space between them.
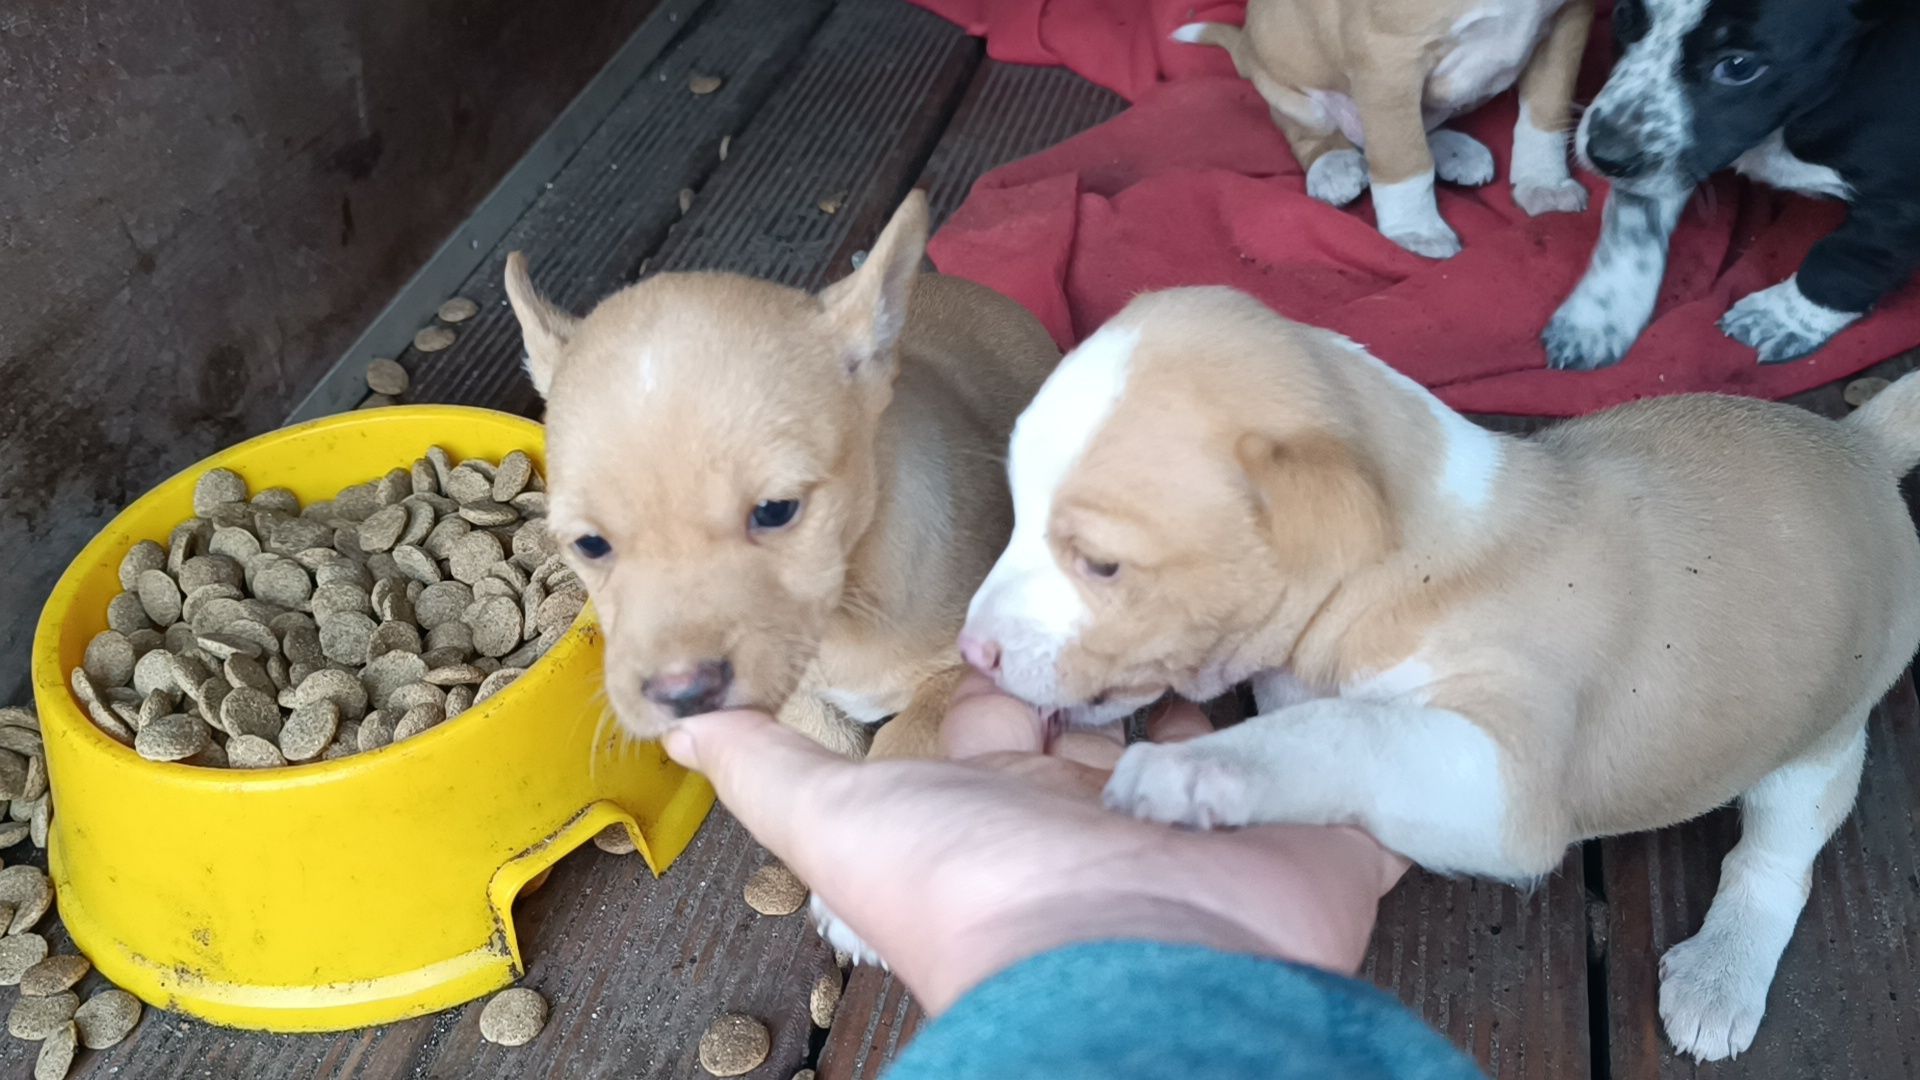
pixel 1820 97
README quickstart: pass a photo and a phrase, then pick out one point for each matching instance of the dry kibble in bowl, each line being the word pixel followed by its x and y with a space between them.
pixel 265 633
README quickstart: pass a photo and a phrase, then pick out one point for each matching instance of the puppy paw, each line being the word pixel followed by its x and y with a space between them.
pixel 1555 197
pixel 1180 785
pixel 1337 177
pixel 1712 995
pixel 1583 336
pixel 1433 240
pixel 1781 324
pixel 841 936
pixel 1459 158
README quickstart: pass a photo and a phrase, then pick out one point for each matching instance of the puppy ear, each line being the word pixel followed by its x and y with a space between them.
pixel 1323 507
pixel 545 328
pixel 869 306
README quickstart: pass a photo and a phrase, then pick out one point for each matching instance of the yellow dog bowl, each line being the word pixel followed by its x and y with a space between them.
pixel 349 892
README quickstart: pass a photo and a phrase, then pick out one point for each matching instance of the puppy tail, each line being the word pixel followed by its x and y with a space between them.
pixel 1220 35
pixel 1891 419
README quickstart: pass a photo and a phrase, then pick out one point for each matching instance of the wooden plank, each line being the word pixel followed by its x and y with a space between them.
pixel 1843 1001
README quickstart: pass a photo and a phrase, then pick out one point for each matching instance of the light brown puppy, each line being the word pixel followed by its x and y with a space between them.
pixel 1483 649
pixel 1360 89
pixel 783 500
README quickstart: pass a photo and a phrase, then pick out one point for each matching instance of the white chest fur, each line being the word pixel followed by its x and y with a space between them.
pixel 1773 164
pixel 1488 47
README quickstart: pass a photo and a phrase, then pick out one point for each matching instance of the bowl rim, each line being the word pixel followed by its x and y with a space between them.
pixel 46 679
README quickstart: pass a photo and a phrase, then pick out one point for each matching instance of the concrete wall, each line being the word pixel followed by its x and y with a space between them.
pixel 201 204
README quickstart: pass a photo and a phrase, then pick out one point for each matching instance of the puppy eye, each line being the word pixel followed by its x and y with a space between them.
pixel 1099 571
pixel 1629 22
pixel 773 514
pixel 593 547
pixel 1738 69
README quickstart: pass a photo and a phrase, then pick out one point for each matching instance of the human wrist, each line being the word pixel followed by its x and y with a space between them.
pixel 972 955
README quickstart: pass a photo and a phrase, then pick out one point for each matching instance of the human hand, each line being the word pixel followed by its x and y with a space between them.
pixel 953 870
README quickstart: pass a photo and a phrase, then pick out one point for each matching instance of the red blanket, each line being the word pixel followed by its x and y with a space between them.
pixel 1193 185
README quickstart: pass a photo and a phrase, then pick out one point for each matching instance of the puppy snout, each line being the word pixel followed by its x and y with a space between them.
pixel 983 654
pixel 690 689
pixel 1616 149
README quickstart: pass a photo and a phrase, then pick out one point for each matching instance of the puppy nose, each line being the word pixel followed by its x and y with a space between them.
pixel 690 689
pixel 982 654
pixel 1614 150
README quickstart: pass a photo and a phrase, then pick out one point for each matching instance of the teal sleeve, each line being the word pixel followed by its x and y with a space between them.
pixel 1132 1010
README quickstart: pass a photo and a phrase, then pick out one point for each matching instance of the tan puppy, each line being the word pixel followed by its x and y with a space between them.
pixel 784 500
pixel 1360 89
pixel 1482 649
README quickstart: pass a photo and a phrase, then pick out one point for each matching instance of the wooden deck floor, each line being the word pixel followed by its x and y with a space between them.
pixel 850 103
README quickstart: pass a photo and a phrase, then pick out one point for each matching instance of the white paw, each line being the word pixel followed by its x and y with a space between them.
pixel 1434 240
pixel 1180 785
pixel 1337 177
pixel 1713 992
pixel 841 936
pixel 1585 336
pixel 1555 197
pixel 1781 324
pixel 1459 158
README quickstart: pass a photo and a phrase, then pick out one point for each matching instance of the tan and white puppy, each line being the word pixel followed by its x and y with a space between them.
pixel 779 499
pixel 1360 89
pixel 1482 649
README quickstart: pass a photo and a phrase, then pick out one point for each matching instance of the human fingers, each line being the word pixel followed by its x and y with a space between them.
pixel 768 775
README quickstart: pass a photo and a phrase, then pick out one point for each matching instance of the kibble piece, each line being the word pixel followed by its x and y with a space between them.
pixel 283 582
pixel 247 672
pixel 127 614
pixel 804 1074
pixel 387 377
pixel 36 786
pixel 308 730
pixel 511 478
pixel 419 693
pixel 734 1045
pixel 1861 391
pixel 496 625
pixel 29 893
pixel 11 833
pixel 346 637
pixel 141 557
pixel 774 890
pixel 55 1059
pixel 416 720
pixel 160 596
pixel 172 738
pixel 445 532
pixel 254 752
pixel 459 700
pixel 486 513
pixel 496 682
pixel 209 570
pixel 385 674
pixel 382 530
pixel 473 555
pixel 416 564
pixel 35 1018
pixel 217 486
pixel 614 840
pixel 106 1018
pixel 824 1001
pixel 375 731
pixel 392 637
pixel 513 1017
pixel 247 711
pixel 18 952
pixel 559 610
pixel 109 659
pixel 458 309
pixel 13 774
pixel 434 339
pixel 53 975
pixel 41 823
pixel 702 85
pixel 466 483
pixel 455 675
